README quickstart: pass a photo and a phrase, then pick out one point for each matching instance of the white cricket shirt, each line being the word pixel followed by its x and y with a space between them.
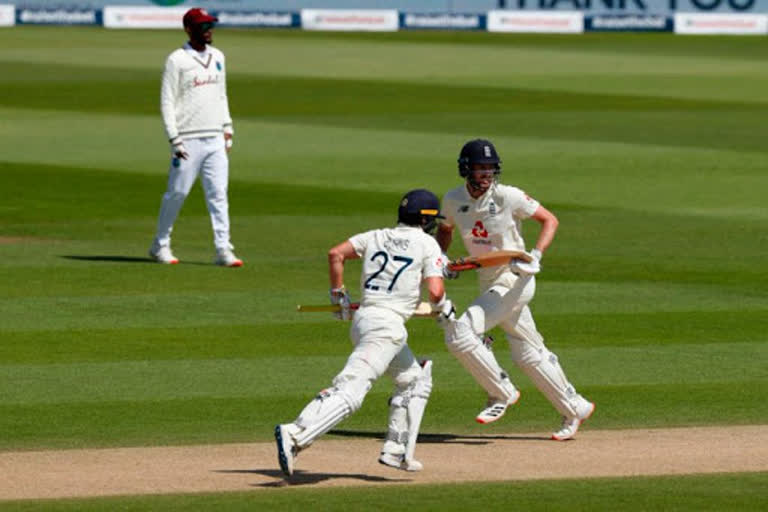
pixel 490 223
pixel 395 262
pixel 193 94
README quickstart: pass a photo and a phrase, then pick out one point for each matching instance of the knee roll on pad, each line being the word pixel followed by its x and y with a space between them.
pixel 460 337
pixel 352 390
pixel 329 408
pixel 320 415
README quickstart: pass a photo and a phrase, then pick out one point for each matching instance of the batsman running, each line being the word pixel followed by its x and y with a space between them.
pixel 195 110
pixel 488 217
pixel 396 261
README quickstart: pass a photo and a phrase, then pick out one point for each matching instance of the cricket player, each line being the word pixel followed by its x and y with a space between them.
pixel 193 101
pixel 396 261
pixel 488 217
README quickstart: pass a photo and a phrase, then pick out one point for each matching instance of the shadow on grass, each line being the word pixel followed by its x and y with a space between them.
pixel 125 259
pixel 306 478
pixel 445 438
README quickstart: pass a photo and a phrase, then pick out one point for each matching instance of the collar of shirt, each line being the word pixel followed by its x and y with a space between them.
pixel 468 197
pixel 202 54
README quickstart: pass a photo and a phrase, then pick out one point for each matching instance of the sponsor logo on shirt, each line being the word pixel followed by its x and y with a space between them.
pixel 464 208
pixel 479 230
pixel 209 80
pixel 492 208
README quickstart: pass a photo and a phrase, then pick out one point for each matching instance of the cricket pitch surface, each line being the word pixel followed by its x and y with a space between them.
pixel 353 462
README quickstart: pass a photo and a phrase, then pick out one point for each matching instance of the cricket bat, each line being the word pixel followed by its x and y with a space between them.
pixel 489 259
pixel 424 309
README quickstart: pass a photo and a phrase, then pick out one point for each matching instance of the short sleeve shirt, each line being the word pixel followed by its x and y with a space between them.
pixel 395 262
pixel 490 223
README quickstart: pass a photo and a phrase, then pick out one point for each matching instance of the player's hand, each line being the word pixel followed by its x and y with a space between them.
pixel 178 150
pixel 341 297
pixel 447 272
pixel 228 142
pixel 528 268
pixel 446 312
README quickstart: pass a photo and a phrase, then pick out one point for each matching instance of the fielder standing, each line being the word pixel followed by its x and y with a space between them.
pixel 395 263
pixel 488 217
pixel 195 110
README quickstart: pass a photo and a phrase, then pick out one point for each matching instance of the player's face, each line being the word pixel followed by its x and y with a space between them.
pixel 202 33
pixel 481 179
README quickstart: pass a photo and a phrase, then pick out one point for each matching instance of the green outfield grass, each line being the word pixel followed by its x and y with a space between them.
pixel 650 149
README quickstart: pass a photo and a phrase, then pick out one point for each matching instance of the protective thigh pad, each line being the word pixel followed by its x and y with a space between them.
pixel 329 408
pixel 478 359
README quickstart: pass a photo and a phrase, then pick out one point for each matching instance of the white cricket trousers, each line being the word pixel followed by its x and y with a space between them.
pixel 380 340
pixel 207 158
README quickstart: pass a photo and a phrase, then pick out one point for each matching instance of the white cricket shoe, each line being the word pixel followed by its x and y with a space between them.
pixel 227 258
pixel 571 425
pixel 495 409
pixel 286 449
pixel 398 462
pixel 162 254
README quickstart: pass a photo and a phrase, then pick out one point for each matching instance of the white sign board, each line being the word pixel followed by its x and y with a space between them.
pixel 566 22
pixel 369 20
pixel 7 15
pixel 724 23
pixel 123 16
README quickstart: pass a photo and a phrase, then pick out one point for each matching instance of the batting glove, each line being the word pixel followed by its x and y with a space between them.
pixel 446 313
pixel 178 150
pixel 528 268
pixel 447 272
pixel 341 297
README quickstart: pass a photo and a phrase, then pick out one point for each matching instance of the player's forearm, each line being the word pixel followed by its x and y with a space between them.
pixel 547 233
pixel 436 289
pixel 336 257
pixel 336 269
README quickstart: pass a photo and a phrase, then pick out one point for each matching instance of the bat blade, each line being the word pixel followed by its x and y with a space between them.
pixel 423 309
pixel 490 259
pixel 323 308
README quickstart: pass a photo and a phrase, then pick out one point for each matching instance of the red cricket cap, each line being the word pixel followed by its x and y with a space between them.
pixel 197 16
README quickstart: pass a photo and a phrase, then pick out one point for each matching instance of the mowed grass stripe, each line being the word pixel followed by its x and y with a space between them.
pixel 95 88
pixel 388 105
pixel 205 419
pixel 313 337
pixel 737 492
pixel 96 194
pixel 742 244
pixel 651 364
pixel 270 303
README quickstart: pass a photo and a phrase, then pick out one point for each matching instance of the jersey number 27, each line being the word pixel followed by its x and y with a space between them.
pixel 383 258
